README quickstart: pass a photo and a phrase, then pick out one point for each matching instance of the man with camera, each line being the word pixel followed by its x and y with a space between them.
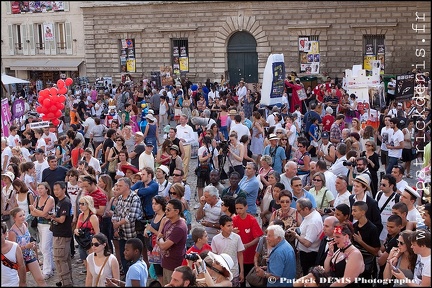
pixel 357 167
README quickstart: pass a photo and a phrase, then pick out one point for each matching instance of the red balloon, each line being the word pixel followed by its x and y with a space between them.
pixel 62 98
pixel 41 99
pixel 44 110
pixel 47 103
pixel 62 90
pixel 45 118
pixel 54 99
pixel 50 115
pixel 39 109
pixel 53 108
pixel 60 106
pixel 58 113
pixel 60 83
pixel 53 91
pixel 55 122
pixel 44 92
pixel 68 81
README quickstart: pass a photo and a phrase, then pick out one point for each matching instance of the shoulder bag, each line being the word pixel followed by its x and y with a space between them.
pixel 112 166
pixel 5 218
pixel 100 271
pixel 84 238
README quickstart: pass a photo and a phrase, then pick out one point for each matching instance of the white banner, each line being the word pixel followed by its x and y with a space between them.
pixel 42 124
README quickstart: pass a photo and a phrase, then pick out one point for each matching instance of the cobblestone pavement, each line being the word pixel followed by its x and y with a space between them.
pixel 79 279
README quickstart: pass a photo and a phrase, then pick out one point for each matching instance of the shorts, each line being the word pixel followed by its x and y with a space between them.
pixel 158 269
pixel 156 112
pixel 202 182
pixel 407 155
pixel 384 157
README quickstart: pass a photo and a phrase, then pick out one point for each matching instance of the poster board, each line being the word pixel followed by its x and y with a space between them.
pixel 273 80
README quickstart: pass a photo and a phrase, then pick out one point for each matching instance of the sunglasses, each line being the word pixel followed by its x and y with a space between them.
pixel 96 244
pixel 119 140
pixel 284 201
pixel 172 193
pixel 368 145
pixel 278 132
pixel 298 185
pixel 169 210
pixel 176 175
pixel 317 180
pixel 284 139
pixel 300 146
pixel 384 185
pixel 81 204
pixel 400 242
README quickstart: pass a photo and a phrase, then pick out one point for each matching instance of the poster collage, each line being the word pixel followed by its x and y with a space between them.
pixel 309 56
pixel 180 60
pixel 18 7
pixel 371 56
pixel 127 55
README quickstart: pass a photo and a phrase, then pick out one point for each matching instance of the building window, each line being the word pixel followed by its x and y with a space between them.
pixel 18 39
pixel 61 37
pixel 40 43
pixel 373 49
pixel 180 56
pixel 309 55
pixel 127 55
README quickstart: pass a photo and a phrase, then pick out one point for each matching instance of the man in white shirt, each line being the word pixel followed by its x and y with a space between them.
pixel 338 168
pixel 50 141
pixel 386 198
pixel 409 197
pixel 88 125
pixel 270 118
pixel 40 164
pixel 386 133
pixel 395 145
pixel 239 127
pixel 307 237
pixel 290 172
pixel 330 178
pixel 212 94
pixel 241 92
pixel 6 154
pixel 92 161
pixel 186 135
pixel 146 159
pixel 398 172
pixel 343 194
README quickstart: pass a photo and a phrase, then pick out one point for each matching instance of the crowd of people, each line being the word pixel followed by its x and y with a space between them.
pixel 298 194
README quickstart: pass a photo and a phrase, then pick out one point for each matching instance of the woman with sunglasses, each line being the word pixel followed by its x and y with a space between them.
pixel 101 263
pixel 323 197
pixel 176 191
pixel 87 219
pixel 288 215
pixel 113 156
pixel 401 257
pixel 235 154
pixel 373 164
pixel 158 205
pixel 304 158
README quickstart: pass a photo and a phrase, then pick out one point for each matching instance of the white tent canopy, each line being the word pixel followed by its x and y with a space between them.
pixel 6 79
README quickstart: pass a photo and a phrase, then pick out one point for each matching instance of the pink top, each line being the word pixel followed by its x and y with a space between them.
pixel 223 119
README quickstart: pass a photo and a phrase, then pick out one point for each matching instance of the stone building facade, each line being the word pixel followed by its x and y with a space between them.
pixel 213 32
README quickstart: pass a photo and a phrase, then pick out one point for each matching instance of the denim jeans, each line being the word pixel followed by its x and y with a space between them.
pixel 392 161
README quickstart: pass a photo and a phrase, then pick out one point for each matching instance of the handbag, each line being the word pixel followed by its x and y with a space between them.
pixel 113 164
pixel 254 280
pixel 100 271
pixel 84 239
pixel 5 218
pixel 34 222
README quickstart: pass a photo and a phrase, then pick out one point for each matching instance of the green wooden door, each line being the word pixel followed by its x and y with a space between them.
pixel 242 58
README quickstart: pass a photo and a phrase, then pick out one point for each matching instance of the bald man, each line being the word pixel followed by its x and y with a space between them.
pixel 327 235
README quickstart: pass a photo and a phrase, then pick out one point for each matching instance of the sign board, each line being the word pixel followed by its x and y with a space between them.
pixel 42 124
pixel 273 80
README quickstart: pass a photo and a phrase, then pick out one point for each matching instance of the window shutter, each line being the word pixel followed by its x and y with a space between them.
pixel 68 32
pixel 24 39
pixel 47 43
pixel 32 39
pixel 11 40
pixel 8 7
pixel 66 5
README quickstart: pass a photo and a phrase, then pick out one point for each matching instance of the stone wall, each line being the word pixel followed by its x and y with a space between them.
pixel 274 25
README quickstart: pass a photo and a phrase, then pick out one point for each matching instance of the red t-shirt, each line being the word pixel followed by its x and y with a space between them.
pixel 76 153
pixel 195 249
pixel 327 122
pixel 99 198
pixel 249 230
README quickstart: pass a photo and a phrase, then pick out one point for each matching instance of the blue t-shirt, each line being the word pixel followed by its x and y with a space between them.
pixel 277 156
pixel 314 131
pixel 280 255
pixel 138 271
pixel 250 186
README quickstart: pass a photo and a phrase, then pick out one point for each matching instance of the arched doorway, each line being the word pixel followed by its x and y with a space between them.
pixel 242 58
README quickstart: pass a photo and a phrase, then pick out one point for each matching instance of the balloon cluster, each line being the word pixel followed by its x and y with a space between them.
pixel 52 101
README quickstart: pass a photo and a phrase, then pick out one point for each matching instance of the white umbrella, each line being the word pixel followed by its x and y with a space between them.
pixel 6 79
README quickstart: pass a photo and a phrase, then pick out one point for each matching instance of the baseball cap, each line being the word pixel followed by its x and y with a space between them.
pixel 325 134
pixel 39 150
